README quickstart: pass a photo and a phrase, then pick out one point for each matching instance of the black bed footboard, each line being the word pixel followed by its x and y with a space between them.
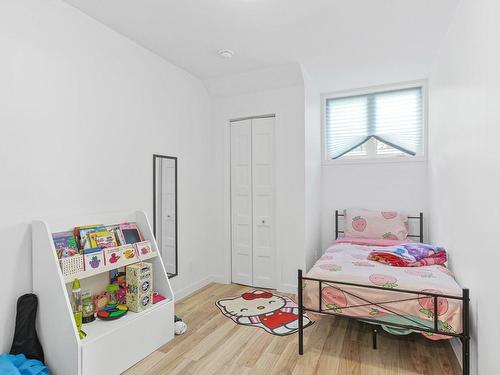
pixel 413 325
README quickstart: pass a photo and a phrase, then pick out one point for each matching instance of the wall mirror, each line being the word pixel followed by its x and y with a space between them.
pixel 165 210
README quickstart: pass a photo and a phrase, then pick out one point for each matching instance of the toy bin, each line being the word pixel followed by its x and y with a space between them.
pixel 139 278
pixel 71 265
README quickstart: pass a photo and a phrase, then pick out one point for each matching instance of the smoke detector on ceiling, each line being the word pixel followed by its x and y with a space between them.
pixel 226 53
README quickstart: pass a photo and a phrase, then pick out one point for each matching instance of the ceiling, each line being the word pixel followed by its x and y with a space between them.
pixel 338 42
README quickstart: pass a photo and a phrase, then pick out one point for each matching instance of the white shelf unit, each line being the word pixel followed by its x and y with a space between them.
pixel 110 346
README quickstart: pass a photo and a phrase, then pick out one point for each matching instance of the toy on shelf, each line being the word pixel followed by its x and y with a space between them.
pixel 87 307
pixel 139 278
pixel 157 297
pixel 117 276
pixel 100 300
pixel 76 305
pixel 111 290
pixel 112 312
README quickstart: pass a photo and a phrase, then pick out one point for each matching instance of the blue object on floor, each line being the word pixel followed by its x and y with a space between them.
pixel 19 365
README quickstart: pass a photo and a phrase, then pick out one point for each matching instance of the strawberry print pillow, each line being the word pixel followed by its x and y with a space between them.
pixel 389 225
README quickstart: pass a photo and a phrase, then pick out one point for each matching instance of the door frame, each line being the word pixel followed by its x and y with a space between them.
pixel 277 281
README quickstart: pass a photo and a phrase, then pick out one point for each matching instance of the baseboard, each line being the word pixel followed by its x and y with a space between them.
pixel 187 290
pixel 456 345
pixel 287 288
pixel 221 279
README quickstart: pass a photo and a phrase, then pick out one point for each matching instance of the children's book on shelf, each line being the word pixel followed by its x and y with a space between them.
pixel 82 232
pixel 130 232
pixel 115 230
pixel 102 239
pixel 93 258
pixel 65 244
pixel 97 246
pixel 143 248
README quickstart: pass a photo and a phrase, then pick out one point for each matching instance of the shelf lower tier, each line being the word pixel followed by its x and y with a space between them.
pixel 111 347
pixel 99 328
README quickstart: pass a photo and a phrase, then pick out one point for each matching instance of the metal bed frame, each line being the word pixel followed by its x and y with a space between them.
pixel 464 336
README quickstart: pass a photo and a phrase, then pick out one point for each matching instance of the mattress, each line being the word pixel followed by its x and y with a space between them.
pixel 347 262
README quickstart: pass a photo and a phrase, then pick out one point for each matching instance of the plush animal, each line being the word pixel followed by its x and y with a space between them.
pixel 276 314
pixel 179 326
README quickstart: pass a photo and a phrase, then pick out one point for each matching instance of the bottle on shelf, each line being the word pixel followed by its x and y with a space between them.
pixel 77 306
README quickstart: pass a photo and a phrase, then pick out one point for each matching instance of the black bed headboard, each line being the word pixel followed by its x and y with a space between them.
pixel 420 218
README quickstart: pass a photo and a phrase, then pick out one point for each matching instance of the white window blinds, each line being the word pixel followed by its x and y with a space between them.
pixel 392 117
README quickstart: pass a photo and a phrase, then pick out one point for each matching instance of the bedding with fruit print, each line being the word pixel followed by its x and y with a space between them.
pixel 346 260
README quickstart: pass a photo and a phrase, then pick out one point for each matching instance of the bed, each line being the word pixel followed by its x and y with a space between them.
pixel 343 282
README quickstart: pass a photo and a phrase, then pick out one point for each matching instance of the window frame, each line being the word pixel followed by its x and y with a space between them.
pixel 374 158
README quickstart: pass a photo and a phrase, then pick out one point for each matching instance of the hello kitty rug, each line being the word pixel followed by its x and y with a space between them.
pixel 277 315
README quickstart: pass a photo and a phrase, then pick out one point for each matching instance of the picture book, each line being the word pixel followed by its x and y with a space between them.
pixel 65 244
pixel 102 239
pixel 81 234
pixel 115 230
pixel 131 233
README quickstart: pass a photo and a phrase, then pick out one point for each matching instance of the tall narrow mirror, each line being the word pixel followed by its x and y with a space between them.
pixel 165 209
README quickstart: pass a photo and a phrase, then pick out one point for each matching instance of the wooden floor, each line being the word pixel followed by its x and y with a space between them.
pixel 214 344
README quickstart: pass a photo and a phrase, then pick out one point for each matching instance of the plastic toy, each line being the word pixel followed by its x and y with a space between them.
pixel 100 301
pixel 111 290
pixel 112 312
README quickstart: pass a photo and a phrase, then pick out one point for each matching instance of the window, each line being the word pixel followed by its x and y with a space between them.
pixel 379 124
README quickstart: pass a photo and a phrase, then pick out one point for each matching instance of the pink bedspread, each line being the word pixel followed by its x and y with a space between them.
pixel 347 262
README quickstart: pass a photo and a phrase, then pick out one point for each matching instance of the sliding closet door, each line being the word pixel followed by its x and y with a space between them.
pixel 264 249
pixel 241 202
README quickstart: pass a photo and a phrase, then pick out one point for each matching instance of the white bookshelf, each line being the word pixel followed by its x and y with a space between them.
pixel 110 347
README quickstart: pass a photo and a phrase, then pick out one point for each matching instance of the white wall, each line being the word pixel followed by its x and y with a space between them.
pixel 312 153
pixel 389 185
pixel 464 165
pixel 398 185
pixel 82 110
pixel 288 106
